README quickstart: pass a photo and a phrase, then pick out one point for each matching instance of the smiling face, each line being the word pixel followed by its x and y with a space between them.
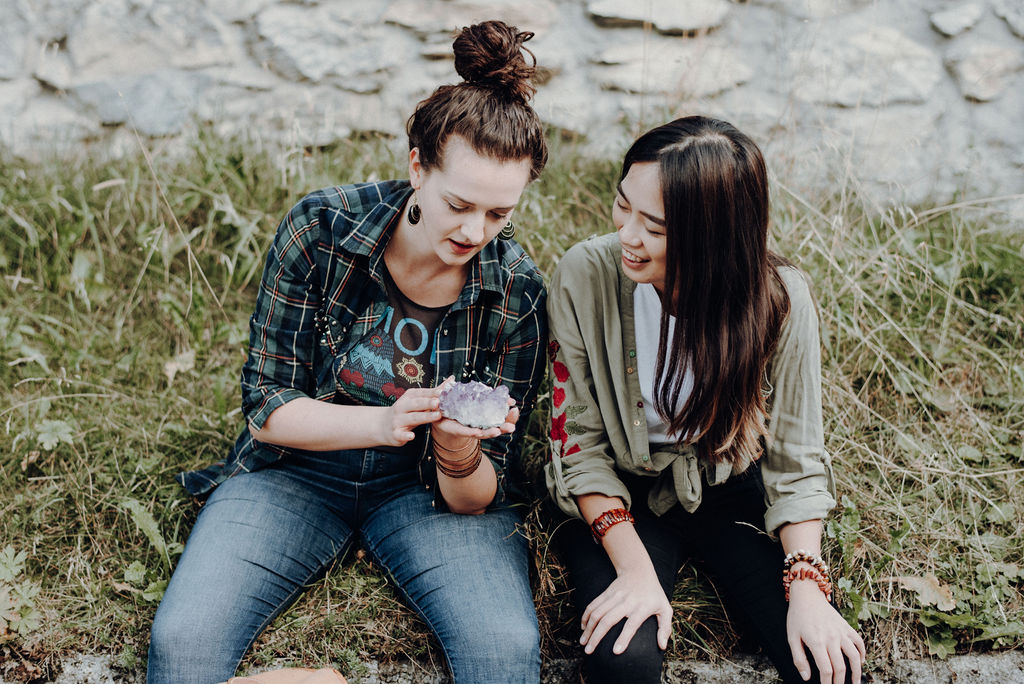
pixel 639 216
pixel 466 202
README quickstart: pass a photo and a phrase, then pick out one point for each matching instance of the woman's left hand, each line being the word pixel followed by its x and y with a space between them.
pixel 814 623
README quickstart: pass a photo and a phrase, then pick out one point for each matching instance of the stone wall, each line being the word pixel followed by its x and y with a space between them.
pixel 916 101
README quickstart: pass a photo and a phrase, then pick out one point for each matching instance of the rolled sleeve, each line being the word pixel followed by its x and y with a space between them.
pixel 278 368
pixel 797 470
pixel 582 460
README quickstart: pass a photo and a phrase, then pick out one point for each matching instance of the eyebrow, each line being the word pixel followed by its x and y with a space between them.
pixel 650 217
pixel 455 197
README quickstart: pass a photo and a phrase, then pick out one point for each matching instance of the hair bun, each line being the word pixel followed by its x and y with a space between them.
pixel 490 54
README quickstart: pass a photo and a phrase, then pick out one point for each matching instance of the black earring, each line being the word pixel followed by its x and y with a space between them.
pixel 508 232
pixel 414 214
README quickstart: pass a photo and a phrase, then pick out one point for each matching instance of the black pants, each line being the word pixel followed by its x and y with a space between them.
pixel 725 537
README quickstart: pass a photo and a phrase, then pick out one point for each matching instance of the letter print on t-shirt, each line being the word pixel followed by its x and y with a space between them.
pixel 396 354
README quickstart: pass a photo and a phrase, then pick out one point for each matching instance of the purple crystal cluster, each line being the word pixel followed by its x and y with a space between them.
pixel 475 404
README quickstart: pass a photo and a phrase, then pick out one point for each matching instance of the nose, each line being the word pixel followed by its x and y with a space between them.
pixel 629 233
pixel 472 228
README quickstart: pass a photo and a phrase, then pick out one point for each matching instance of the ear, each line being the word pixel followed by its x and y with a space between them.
pixel 416 170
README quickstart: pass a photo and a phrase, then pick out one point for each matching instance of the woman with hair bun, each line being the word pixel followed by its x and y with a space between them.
pixel 686 419
pixel 373 294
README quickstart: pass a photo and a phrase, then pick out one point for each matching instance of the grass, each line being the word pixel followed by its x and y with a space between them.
pixel 123 312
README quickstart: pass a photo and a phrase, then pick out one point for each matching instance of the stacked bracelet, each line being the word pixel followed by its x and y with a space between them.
pixel 603 522
pixel 462 467
pixel 817 572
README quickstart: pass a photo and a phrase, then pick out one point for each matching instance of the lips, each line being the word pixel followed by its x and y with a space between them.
pixel 461 247
pixel 632 258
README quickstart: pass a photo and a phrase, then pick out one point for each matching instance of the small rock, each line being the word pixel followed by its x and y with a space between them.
pixel 238 11
pixel 14 97
pixel 983 72
pixel 354 60
pixel 957 19
pixel 1012 12
pixel 427 17
pixel 667 16
pixel 158 103
pixel 53 66
pixel 877 67
pixel 691 69
pixel 13 44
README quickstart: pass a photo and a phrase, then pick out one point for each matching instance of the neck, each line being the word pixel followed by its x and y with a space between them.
pixel 409 251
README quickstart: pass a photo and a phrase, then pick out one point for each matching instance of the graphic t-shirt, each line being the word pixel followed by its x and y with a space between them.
pixel 396 354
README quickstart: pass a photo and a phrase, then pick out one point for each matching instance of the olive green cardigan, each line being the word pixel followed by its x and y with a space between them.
pixel 599 428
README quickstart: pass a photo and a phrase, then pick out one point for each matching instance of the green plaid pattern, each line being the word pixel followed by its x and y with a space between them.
pixel 323 288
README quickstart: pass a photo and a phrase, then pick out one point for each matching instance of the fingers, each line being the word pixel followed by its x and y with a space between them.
pixel 796 647
pixel 633 623
pixel 853 655
pixel 664 627
pixel 835 654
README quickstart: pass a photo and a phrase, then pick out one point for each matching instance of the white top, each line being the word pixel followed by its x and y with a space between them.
pixel 647 305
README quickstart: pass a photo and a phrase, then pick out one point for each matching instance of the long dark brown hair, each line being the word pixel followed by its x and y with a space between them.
pixel 490 109
pixel 721 283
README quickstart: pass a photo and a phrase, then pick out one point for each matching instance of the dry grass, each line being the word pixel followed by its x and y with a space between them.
pixel 105 282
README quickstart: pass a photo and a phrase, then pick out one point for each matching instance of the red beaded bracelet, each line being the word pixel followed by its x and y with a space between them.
pixel 824 584
pixel 818 572
pixel 603 522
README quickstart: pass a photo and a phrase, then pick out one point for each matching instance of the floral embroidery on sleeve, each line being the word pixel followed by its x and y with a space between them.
pixel 563 424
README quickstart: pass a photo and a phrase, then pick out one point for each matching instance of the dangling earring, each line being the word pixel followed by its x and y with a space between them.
pixel 414 214
pixel 508 232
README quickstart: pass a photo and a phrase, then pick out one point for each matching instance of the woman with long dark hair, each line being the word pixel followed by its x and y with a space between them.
pixel 686 417
pixel 373 294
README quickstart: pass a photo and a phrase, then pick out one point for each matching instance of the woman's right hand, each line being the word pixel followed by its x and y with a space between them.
pixel 636 595
pixel 417 406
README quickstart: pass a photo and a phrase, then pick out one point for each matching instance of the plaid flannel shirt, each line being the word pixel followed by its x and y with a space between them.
pixel 323 289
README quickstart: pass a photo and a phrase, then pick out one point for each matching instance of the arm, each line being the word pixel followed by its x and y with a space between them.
pixel 800 490
pixel 635 594
pixel 518 364
pixel 278 378
pixel 813 622
pixel 582 476
pixel 582 456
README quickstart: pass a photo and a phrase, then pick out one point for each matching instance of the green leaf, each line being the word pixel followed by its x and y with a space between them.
pixel 993 632
pixel 941 644
pixel 11 564
pixel 50 433
pixel 28 620
pixel 135 573
pixel 145 521
pixel 155 591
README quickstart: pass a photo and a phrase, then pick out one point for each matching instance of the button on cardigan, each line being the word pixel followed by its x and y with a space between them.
pixel 599 429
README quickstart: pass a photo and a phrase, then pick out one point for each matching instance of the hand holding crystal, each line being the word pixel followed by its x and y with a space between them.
pixel 417 406
pixel 472 411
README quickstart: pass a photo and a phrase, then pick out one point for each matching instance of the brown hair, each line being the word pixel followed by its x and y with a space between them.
pixel 727 295
pixel 490 109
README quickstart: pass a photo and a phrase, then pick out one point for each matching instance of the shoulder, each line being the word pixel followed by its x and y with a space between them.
pixel 520 276
pixel 592 261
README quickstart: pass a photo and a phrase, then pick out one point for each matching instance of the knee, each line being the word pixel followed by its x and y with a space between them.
pixel 641 661
pixel 504 645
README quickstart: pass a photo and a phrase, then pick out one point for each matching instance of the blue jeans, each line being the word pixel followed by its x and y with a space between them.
pixel 263 537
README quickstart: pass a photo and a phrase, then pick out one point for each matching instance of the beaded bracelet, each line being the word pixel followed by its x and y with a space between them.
pixel 603 522
pixel 818 572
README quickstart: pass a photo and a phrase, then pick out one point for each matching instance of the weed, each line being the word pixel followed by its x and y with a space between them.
pixel 123 326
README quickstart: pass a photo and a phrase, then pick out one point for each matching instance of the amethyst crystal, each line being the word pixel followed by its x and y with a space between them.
pixel 475 404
